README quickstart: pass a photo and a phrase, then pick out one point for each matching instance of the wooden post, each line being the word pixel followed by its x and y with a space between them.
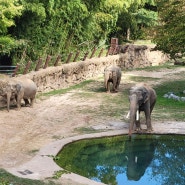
pixel 38 64
pixel 16 70
pixel 76 56
pixel 93 52
pixel 47 61
pixel 27 67
pixel 101 51
pixel 108 52
pixel 85 56
pixel 57 60
pixel 69 57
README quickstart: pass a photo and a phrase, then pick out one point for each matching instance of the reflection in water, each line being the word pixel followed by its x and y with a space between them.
pixel 139 155
pixel 145 159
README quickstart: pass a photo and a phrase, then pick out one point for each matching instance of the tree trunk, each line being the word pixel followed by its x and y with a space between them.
pixel 128 34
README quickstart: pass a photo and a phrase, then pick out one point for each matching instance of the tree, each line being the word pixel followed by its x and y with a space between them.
pixel 138 16
pixel 9 9
pixel 170 34
pixel 60 26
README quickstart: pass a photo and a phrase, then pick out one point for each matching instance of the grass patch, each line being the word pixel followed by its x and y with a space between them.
pixel 169 108
pixel 143 42
pixel 63 91
pixel 86 130
pixel 8 179
pixel 142 78
pixel 166 65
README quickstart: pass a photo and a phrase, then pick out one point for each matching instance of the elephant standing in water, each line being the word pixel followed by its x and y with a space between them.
pixel 19 89
pixel 112 75
pixel 142 98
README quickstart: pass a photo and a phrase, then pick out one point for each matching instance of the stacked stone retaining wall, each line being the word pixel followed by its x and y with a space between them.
pixel 69 74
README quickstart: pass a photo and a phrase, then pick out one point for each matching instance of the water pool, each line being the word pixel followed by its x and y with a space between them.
pixel 145 159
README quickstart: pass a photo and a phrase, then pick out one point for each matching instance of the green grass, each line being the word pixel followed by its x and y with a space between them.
pixel 8 179
pixel 65 90
pixel 170 109
pixel 143 42
pixel 166 65
pixel 142 79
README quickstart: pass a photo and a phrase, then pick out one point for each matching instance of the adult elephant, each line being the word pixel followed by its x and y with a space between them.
pixel 142 98
pixel 19 89
pixel 112 74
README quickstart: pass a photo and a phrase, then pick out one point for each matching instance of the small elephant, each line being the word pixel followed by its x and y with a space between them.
pixel 19 89
pixel 142 98
pixel 112 75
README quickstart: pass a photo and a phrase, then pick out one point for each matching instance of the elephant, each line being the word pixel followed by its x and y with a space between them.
pixel 112 74
pixel 142 98
pixel 19 89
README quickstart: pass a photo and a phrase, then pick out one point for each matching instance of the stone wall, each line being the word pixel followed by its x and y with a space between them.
pixel 73 73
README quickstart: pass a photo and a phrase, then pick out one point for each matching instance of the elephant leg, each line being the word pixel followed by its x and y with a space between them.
pixel 32 101
pixel 138 126
pixel 117 84
pixel 18 102
pixel 26 102
pixel 151 107
pixel 108 87
pixel 20 95
pixel 114 84
pixel 148 121
pixel 8 101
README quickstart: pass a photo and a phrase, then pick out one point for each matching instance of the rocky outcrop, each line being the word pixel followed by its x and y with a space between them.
pixel 138 56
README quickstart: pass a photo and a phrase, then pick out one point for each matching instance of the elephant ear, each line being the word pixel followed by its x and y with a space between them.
pixel 18 87
pixel 114 73
pixel 145 95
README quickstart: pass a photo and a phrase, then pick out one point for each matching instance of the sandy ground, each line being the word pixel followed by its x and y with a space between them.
pixel 24 132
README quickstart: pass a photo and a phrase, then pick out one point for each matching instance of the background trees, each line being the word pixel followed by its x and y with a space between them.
pixel 170 32
pixel 136 19
pixel 40 27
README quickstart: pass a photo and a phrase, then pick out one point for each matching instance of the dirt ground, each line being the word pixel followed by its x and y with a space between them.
pixel 24 132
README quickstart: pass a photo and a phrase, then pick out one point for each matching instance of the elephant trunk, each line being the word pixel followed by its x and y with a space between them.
pixel 134 113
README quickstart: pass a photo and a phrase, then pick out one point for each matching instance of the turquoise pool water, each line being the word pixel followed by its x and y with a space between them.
pixel 145 159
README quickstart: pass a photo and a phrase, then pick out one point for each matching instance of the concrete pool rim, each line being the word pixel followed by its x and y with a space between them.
pixel 42 166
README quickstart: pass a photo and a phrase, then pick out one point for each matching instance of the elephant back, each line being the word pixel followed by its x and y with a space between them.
pixel 29 87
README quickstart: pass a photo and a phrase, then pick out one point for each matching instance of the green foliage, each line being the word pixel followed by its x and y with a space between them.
pixel 170 34
pixel 6 44
pixel 139 15
pixel 9 10
pixel 59 173
pixel 36 28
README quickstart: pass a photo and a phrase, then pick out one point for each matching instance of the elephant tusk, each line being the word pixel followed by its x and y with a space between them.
pixel 128 115
pixel 137 115
pixel 135 159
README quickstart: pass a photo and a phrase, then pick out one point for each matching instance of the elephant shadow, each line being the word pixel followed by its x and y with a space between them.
pixel 140 153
